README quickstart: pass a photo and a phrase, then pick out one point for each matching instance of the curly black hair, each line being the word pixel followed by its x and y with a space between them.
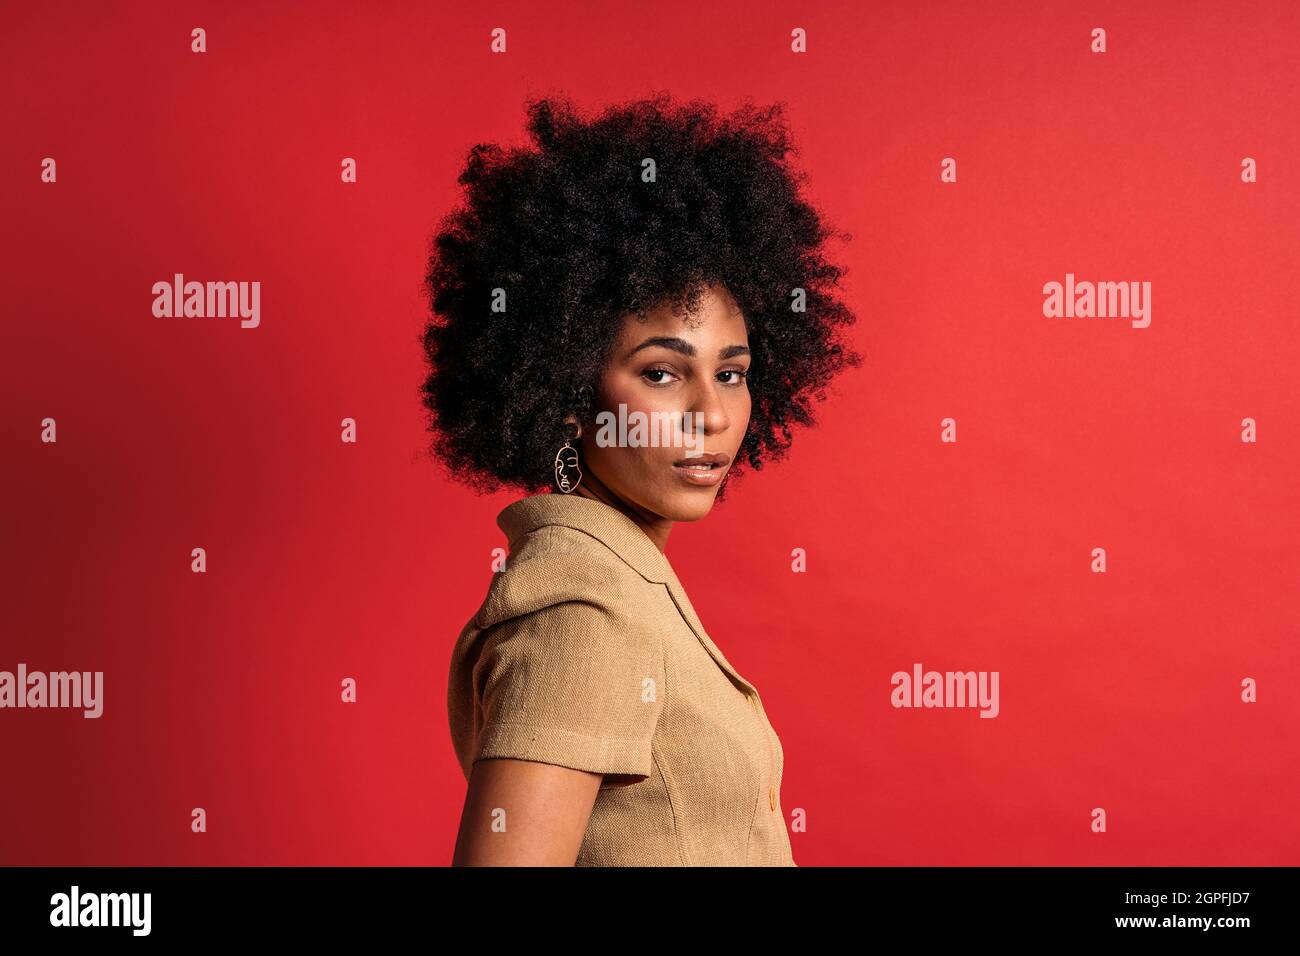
pixel 577 237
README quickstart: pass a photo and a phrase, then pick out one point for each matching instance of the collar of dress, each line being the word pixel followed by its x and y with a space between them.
pixel 621 535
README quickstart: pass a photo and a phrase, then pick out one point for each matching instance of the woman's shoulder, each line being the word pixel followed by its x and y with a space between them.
pixel 555 665
pixel 556 564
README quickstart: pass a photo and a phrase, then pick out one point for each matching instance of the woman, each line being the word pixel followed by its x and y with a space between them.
pixel 655 264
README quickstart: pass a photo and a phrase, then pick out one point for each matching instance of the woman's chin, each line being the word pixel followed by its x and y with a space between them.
pixel 690 505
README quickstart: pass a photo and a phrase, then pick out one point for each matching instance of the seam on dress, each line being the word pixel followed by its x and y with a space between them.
pixel 676 812
pixel 672 807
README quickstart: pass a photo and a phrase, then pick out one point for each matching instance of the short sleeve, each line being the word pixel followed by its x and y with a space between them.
pixel 575 684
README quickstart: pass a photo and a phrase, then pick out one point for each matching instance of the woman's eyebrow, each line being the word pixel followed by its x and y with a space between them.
pixel 684 347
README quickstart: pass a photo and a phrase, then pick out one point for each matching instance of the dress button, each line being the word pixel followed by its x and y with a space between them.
pixel 771 797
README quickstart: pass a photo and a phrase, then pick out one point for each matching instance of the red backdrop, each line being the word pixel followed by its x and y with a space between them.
pixel 1119 690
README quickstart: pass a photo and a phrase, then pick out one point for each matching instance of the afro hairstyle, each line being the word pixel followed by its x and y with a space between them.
pixel 574 236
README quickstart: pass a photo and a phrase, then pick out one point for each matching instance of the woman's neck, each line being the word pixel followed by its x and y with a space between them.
pixel 655 527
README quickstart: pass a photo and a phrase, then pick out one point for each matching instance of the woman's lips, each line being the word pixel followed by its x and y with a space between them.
pixel 703 470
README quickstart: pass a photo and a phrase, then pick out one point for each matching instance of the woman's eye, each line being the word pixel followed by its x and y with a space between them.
pixel 649 374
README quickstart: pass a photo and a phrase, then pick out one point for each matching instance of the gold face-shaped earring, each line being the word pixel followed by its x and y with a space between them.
pixel 567 472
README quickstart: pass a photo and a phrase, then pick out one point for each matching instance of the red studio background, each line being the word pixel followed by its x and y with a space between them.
pixel 1120 690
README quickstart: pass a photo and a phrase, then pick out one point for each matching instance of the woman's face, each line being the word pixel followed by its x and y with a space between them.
pixel 683 377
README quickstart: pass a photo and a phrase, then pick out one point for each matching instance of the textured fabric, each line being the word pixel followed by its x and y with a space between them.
pixel 586 653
